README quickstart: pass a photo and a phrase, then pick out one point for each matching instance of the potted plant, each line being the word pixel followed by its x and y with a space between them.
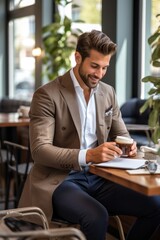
pixel 59 41
pixel 153 102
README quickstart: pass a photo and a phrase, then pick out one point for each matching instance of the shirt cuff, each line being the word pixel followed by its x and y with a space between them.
pixel 82 157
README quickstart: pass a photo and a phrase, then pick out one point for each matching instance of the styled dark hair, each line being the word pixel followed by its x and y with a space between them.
pixel 96 40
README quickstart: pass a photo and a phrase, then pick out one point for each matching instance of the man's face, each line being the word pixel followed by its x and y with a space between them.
pixel 92 69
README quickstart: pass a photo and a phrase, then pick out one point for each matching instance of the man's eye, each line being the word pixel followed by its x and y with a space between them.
pixel 94 66
pixel 97 67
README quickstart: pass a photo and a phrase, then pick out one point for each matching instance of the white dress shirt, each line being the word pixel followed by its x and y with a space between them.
pixel 88 120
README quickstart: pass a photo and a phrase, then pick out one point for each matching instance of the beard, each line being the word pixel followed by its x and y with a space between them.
pixel 90 80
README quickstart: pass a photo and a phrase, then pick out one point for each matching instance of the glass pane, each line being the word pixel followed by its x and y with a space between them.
pixel 154 26
pixel 89 12
pixel 14 4
pixel 153 8
pixel 21 61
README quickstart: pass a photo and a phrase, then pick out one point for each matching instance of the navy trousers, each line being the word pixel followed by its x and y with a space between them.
pixel 88 200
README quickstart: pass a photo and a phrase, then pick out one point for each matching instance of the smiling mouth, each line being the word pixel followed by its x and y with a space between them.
pixel 94 79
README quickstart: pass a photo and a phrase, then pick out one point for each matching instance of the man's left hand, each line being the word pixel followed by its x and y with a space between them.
pixel 133 151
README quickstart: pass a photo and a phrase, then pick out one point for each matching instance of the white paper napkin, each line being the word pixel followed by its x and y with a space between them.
pixel 143 171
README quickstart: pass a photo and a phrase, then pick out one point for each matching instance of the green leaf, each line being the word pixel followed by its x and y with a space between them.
pixel 75 6
pixel 150 102
pixel 156 64
pixel 152 38
pixel 67 24
pixel 151 79
pixel 156 53
pixel 146 79
pixel 152 91
pixel 156 134
pixel 79 21
pixel 157 104
pixel 144 107
pixel 153 118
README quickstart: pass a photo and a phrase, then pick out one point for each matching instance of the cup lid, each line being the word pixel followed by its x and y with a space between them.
pixel 122 139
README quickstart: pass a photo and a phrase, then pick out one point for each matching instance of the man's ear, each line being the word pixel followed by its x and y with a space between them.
pixel 78 57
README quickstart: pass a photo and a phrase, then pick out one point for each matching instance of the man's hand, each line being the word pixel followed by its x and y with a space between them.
pixel 104 152
pixel 133 151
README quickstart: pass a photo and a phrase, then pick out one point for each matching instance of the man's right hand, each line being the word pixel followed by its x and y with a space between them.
pixel 103 153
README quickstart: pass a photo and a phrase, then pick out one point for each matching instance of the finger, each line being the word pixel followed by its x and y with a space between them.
pixel 109 157
pixel 117 151
pixel 133 153
pixel 112 154
pixel 134 145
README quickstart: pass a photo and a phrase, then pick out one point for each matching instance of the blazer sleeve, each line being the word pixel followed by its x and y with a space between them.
pixel 45 143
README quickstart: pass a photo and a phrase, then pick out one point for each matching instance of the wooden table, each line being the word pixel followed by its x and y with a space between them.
pixel 146 184
pixel 12 120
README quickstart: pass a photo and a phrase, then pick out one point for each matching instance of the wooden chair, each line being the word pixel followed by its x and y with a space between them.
pixel 50 234
pixel 61 223
pixel 24 213
pixel 119 226
pixel 18 165
pixel 2 174
pixel 6 232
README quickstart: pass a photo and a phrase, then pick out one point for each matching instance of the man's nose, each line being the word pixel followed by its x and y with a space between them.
pixel 99 73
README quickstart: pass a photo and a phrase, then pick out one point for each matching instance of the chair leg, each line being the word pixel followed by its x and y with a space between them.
pixel 60 223
pixel 7 189
pixel 120 227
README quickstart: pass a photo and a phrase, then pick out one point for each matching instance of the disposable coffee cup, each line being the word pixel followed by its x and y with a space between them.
pixel 124 143
pixel 24 111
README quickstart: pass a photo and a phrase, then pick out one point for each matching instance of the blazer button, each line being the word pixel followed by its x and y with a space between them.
pixel 55 182
pixel 63 128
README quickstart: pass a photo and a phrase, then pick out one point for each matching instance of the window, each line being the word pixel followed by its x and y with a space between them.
pixel 24 34
pixel 21 61
pixel 155 22
pixel 14 4
pixel 22 39
pixel 149 11
pixel 89 12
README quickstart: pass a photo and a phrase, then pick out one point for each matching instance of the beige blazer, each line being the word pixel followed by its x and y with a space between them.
pixel 55 135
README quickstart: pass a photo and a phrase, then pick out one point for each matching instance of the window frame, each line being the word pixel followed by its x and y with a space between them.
pixel 32 10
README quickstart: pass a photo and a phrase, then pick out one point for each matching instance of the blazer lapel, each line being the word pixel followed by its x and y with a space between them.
pixel 100 110
pixel 68 91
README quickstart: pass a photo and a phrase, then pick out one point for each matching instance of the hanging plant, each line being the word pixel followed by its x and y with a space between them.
pixel 59 41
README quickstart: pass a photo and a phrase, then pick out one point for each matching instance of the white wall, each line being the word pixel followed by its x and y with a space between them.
pixel 124 51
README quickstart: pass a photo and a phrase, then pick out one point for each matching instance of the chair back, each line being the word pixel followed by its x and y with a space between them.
pixel 18 165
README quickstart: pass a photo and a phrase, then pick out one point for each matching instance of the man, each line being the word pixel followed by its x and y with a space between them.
pixel 74 122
